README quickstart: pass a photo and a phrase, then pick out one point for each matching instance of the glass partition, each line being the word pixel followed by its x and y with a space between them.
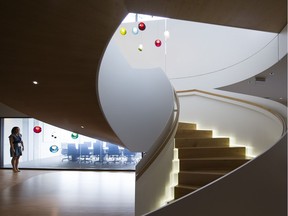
pixel 50 147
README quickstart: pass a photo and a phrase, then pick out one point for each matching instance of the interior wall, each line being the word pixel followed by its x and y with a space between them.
pixel 137 103
pixel 283 45
pixel 197 49
pixel 155 187
pixel 247 126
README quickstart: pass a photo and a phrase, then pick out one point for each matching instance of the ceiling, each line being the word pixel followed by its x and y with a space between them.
pixel 60 44
pixel 265 15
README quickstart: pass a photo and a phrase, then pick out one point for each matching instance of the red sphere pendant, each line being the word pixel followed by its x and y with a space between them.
pixel 37 129
pixel 158 43
pixel 142 26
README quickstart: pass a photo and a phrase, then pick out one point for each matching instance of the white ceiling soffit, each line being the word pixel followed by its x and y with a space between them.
pixel 198 55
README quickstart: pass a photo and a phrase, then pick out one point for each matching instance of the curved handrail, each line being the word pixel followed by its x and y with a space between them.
pixel 282 120
pixel 151 156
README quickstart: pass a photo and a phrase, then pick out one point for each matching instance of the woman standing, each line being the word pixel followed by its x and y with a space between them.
pixel 16 147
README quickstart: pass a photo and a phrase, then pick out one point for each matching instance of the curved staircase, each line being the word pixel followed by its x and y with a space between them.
pixel 202 158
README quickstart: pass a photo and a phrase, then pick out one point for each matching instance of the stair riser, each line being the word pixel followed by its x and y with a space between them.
pixel 212 152
pixel 196 179
pixel 203 159
pixel 208 142
pixel 179 192
pixel 186 126
pixel 193 134
pixel 192 165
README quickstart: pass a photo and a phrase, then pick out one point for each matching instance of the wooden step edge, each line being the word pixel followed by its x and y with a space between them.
pixel 189 124
pixel 194 139
pixel 240 157
pixel 182 122
pixel 186 128
pixel 216 158
pixel 194 130
pixel 206 172
pixel 192 188
pixel 212 147
pixel 201 145
pixel 203 138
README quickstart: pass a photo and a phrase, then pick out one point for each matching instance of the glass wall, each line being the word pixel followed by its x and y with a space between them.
pixel 50 147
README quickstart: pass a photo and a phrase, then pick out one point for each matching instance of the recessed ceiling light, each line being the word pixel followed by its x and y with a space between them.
pixel 35 82
pixel 82 126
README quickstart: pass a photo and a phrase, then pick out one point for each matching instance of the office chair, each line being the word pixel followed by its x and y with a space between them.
pixel 129 155
pixel 72 152
pixel 113 152
pixel 84 153
pixel 64 151
pixel 98 151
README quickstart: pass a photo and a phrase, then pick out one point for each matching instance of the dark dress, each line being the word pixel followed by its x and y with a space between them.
pixel 17 142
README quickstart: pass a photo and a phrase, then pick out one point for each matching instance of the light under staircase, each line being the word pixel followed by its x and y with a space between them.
pixel 202 158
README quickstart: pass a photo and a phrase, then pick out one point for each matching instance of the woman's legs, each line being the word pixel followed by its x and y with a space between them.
pixel 14 164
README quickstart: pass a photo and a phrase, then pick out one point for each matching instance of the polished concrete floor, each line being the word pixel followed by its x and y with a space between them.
pixel 66 193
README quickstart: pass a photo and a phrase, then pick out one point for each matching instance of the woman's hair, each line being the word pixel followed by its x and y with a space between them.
pixel 14 130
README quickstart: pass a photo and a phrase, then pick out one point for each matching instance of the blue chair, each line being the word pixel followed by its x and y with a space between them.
pixel 64 151
pixel 98 151
pixel 129 155
pixel 113 152
pixel 72 152
pixel 84 153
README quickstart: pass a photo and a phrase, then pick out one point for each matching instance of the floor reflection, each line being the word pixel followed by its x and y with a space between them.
pixel 57 162
pixel 67 193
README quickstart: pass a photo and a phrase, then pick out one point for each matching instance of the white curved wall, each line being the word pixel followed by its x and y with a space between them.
pixel 156 186
pixel 199 55
pixel 283 45
pixel 138 103
pixel 254 128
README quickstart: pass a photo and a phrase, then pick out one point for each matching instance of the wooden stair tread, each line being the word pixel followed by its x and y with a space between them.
pixel 217 158
pixel 186 133
pixel 198 178
pixel 204 172
pixel 202 138
pixel 219 152
pixel 199 164
pixel 194 130
pixel 182 190
pixel 185 125
pixel 201 142
pixel 212 147
pixel 188 187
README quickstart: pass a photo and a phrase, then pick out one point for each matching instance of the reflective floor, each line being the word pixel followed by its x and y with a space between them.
pixel 57 193
pixel 58 163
